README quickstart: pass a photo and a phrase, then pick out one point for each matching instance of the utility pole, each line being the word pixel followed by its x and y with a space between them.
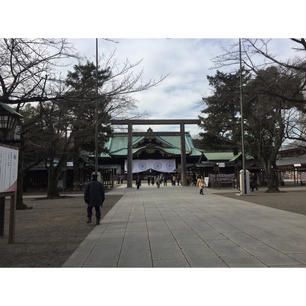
pixel 242 124
pixel 96 111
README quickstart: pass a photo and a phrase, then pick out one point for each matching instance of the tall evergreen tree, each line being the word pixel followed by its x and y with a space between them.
pixel 82 82
pixel 266 118
pixel 264 115
pixel 220 119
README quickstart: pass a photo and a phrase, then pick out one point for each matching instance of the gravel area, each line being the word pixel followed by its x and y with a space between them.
pixel 293 201
pixel 49 233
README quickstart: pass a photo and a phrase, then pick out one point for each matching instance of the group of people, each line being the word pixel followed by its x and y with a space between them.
pixel 94 194
pixel 253 182
pixel 163 179
pixel 175 180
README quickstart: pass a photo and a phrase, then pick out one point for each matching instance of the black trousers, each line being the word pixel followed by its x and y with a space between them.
pixel 89 211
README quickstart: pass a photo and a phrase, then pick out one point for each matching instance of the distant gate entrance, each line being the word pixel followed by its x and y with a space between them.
pixel 181 133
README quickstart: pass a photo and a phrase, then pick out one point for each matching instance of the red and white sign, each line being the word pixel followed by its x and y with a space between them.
pixel 8 169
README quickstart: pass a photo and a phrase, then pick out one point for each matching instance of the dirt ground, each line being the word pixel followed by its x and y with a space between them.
pixel 291 200
pixel 49 233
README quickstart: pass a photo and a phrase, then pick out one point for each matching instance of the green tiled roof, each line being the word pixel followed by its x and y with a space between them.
pixel 248 157
pixel 219 155
pixel 117 145
pixel 196 152
pixel 124 151
pixel 174 151
pixel 226 156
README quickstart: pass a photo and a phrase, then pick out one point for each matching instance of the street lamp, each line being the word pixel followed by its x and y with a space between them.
pixel 96 107
pixel 245 189
pixel 9 124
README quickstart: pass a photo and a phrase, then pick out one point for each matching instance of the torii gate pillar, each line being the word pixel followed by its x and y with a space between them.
pixel 130 157
pixel 183 156
pixel 130 124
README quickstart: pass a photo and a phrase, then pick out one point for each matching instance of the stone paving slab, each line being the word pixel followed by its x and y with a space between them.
pixel 202 256
pixel 270 256
pixel 167 252
pixel 171 263
pixel 103 256
pixel 177 227
pixel 243 262
pixel 299 257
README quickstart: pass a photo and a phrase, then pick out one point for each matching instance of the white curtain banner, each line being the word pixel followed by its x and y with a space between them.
pixel 161 165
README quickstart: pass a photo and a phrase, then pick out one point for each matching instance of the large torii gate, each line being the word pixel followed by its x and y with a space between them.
pixel 180 122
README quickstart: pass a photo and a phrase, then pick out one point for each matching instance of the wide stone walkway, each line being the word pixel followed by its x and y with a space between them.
pixel 177 227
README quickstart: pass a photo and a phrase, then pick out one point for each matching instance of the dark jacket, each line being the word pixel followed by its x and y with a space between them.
pixel 94 194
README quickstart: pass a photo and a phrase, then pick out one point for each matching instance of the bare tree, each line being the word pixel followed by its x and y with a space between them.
pixel 256 55
pixel 122 81
pixel 27 69
pixel 29 73
pixel 295 126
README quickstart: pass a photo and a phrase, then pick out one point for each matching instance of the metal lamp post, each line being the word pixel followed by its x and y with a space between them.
pixel 96 109
pixel 244 191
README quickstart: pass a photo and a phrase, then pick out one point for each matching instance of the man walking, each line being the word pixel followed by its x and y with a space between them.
pixel 158 181
pixel 173 180
pixel 94 197
pixel 138 181
pixel 253 181
pixel 165 181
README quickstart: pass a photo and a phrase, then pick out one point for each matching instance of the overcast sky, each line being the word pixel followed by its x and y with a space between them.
pixel 187 62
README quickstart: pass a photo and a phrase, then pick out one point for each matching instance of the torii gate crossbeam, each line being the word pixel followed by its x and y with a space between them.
pixel 180 122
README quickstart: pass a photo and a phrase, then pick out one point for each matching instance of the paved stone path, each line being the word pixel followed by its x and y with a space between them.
pixel 177 227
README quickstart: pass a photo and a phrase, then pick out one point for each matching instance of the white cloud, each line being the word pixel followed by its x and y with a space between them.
pixel 187 61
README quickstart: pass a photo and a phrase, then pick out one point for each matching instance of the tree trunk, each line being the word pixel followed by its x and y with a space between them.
pixel 76 172
pixel 272 177
pixel 52 183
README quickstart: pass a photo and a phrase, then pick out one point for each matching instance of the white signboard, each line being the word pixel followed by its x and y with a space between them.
pixel 8 169
pixel 161 165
